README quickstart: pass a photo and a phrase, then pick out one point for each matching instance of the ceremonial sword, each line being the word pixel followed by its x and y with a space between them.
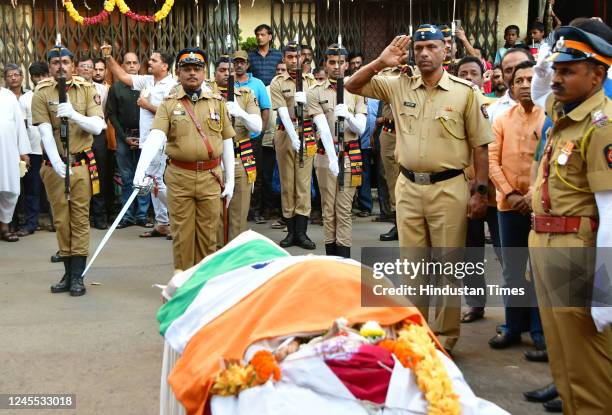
pixel 120 216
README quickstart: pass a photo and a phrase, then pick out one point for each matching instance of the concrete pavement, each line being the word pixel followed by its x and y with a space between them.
pixel 105 348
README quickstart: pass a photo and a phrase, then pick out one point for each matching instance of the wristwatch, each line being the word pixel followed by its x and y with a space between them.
pixel 483 189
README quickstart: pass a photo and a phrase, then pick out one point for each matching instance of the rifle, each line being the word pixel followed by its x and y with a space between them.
pixel 340 132
pixel 299 108
pixel 411 61
pixel 64 132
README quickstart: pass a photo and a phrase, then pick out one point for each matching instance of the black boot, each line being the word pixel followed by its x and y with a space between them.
pixel 301 239
pixel 64 284
pixel 343 251
pixel 330 249
pixel 391 235
pixel 545 394
pixel 290 238
pixel 76 281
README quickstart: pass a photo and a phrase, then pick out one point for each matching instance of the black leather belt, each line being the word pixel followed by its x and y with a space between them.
pixel 429 178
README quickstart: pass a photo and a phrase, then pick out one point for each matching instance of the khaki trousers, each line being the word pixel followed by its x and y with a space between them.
pixel 193 202
pixel 434 216
pixel 390 166
pixel 336 205
pixel 71 218
pixel 239 205
pixel 580 356
pixel 295 180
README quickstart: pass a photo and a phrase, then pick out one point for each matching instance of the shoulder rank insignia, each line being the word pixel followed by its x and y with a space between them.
pixel 599 118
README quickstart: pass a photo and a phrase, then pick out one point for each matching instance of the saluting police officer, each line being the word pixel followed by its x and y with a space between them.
pixel 572 206
pixel 83 110
pixel 195 127
pixel 295 180
pixel 323 107
pixel 247 119
pixel 439 125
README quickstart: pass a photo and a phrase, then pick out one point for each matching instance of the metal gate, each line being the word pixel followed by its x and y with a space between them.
pixel 27 31
pixel 369 25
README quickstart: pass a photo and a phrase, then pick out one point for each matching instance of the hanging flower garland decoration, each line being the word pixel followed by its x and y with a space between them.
pixel 109 6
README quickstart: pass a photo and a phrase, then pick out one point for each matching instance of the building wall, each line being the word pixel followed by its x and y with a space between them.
pixel 251 17
pixel 512 12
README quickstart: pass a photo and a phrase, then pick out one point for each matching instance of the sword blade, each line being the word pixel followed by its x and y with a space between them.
pixel 120 216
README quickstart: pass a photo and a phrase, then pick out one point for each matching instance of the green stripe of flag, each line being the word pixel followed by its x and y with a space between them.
pixel 251 252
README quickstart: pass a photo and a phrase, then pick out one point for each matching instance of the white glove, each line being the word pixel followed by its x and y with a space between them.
pixel 333 165
pixel 46 136
pixel 234 109
pixel 543 53
pixel 228 165
pixel 295 141
pixel 341 110
pixel 65 109
pixel 300 97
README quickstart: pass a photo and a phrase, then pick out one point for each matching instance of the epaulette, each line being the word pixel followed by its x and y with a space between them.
pixel 308 75
pixel 461 81
pixel 173 93
pixel 242 90
pixel 281 76
pixel 77 80
pixel 217 96
pixel 600 119
pixel 45 83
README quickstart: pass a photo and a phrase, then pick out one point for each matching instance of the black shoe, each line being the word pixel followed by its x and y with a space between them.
pixel 289 239
pixel 545 394
pixel 330 249
pixel 124 224
pixel 536 355
pixel 343 251
pixel 301 239
pixel 392 235
pixel 64 284
pixel 100 224
pixel 76 280
pixel 259 219
pixel 556 405
pixel 501 341
pixel 57 258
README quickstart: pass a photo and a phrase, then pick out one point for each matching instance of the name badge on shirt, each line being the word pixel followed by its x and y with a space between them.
pixel 286 90
pixel 410 104
pixel 179 110
pixel 52 103
pixel 323 102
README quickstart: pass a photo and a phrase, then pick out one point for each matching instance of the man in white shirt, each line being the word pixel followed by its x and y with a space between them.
pixel 512 58
pixel 154 88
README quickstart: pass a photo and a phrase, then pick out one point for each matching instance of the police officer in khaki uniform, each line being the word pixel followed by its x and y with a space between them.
pixel 246 119
pixel 196 129
pixel 572 206
pixel 295 180
pixel 439 127
pixel 323 107
pixel 85 119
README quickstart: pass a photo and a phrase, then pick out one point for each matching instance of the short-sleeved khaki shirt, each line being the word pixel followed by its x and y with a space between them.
pixel 84 99
pixel 282 91
pixel 246 99
pixel 588 169
pixel 436 128
pixel 184 141
pixel 322 100
pixel 387 114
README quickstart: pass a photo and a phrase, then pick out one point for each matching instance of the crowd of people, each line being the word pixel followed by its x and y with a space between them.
pixel 294 154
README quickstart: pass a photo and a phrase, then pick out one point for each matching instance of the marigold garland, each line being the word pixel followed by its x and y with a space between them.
pixel 236 377
pixel 415 350
pixel 109 6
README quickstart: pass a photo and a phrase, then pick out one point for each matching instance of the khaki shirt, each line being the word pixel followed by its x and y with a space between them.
pixel 84 99
pixel 282 91
pixel 387 114
pixel 322 100
pixel 184 141
pixel 437 128
pixel 589 170
pixel 247 101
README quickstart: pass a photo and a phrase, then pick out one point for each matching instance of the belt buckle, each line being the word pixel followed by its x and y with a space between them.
pixel 200 165
pixel 422 178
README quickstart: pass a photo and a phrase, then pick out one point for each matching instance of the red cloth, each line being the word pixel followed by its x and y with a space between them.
pixel 362 374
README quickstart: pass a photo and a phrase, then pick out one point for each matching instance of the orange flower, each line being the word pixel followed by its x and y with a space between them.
pixel 265 366
pixel 405 354
pixel 387 344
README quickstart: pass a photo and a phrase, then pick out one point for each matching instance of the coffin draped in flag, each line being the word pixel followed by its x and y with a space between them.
pixel 251 297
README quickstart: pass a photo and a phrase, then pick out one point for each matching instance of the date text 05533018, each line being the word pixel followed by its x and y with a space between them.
pixel 37 401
